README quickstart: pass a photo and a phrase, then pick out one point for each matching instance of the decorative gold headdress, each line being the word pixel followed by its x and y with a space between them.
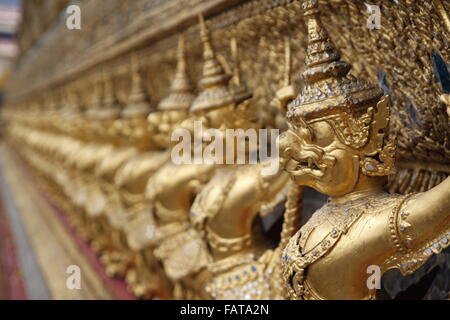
pixel 215 86
pixel 241 91
pixel 346 102
pixel 180 96
pixel 138 102
pixel 110 108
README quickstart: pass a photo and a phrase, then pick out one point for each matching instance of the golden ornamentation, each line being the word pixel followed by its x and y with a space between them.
pixel 360 224
pixel 180 96
pixel 227 245
pixel 394 224
pixel 101 151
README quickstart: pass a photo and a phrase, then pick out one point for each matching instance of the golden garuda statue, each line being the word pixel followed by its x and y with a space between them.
pixel 221 227
pixel 338 143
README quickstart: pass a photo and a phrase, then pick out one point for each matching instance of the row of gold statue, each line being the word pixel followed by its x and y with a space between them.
pixel 194 231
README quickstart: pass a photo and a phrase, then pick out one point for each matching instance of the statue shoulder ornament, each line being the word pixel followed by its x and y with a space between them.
pixel 338 143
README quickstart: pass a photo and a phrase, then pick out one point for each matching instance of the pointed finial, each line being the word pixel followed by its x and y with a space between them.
pixel 208 52
pixel 235 56
pixel 321 52
pixel 181 58
pixel 110 106
pixel 134 67
pixel 214 84
pixel 240 91
pixel 138 102
pixel 109 98
pixel 287 62
pixel 180 96
pixel 327 88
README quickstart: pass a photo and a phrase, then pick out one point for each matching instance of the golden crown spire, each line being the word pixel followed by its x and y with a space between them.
pixel 214 84
pixel 138 102
pixel 241 92
pixel 110 106
pixel 237 67
pixel 287 62
pixel 180 96
pixel 328 87
pixel 109 98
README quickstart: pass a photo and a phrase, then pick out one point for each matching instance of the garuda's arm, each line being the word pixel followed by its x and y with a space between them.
pixel 420 227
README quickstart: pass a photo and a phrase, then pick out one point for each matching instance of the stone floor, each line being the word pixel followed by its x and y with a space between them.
pixel 44 249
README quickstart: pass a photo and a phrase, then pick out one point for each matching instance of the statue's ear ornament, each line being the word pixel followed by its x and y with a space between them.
pixel 368 133
pixel 385 165
pixel 379 123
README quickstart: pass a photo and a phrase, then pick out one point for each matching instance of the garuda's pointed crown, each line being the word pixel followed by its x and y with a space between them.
pixel 138 104
pixel 328 87
pixel 353 107
pixel 111 106
pixel 180 96
pixel 104 104
pixel 216 91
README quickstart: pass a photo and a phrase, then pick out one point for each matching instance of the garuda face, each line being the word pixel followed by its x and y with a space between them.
pixel 337 153
pixel 316 158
